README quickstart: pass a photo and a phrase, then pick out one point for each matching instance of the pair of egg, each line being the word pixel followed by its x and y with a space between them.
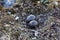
pixel 31 19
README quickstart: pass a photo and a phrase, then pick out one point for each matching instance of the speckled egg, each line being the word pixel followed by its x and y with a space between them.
pixel 33 23
pixel 30 17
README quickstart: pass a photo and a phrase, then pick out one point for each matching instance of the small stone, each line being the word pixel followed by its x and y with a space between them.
pixel 16 18
pixel 11 22
pixel 56 3
pixel 6 25
pixel 34 38
pixel 38 1
pixel 36 33
pixel 9 12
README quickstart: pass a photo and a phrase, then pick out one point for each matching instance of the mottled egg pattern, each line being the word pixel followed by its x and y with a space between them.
pixel 33 23
pixel 30 17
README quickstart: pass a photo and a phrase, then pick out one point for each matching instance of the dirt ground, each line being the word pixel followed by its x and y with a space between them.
pixel 13 24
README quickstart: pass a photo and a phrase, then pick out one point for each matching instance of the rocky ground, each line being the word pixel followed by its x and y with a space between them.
pixel 15 26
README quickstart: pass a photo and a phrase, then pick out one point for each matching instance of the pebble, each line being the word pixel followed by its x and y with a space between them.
pixel 11 22
pixel 56 3
pixel 34 38
pixel 38 1
pixel 36 33
pixel 16 18
pixel 6 25
pixel 9 12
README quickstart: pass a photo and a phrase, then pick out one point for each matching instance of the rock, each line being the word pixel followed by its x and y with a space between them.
pixel 9 13
pixel 16 18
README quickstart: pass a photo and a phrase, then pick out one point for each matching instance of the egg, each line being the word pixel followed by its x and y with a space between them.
pixel 33 23
pixel 30 17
